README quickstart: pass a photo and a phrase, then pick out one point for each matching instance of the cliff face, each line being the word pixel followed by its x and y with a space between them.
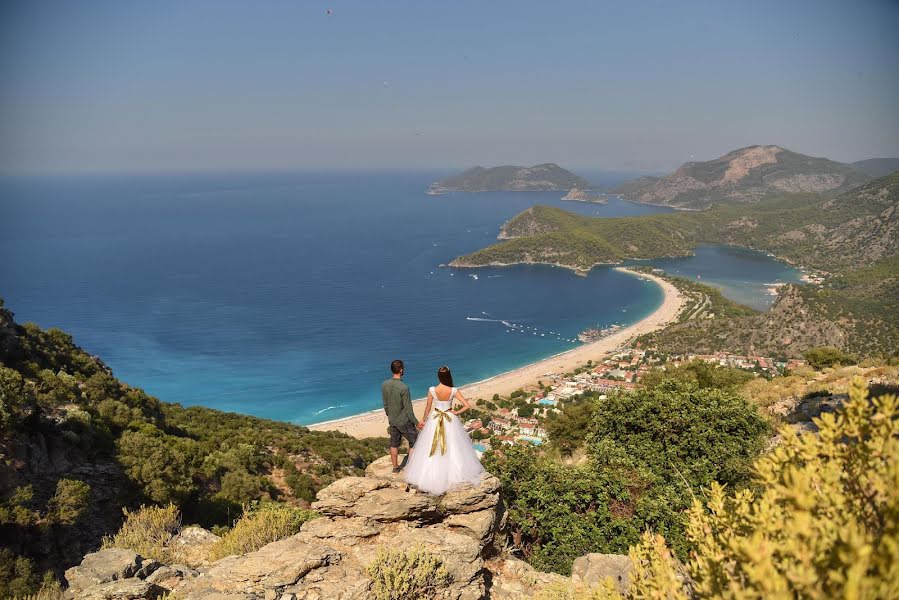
pixel 746 175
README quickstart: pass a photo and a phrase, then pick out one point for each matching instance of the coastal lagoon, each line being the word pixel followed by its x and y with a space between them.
pixel 287 295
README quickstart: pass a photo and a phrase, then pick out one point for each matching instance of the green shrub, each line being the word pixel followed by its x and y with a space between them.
pixel 682 432
pixel 69 501
pixel 147 531
pixel 823 524
pixel 826 356
pixel 259 526
pixel 406 574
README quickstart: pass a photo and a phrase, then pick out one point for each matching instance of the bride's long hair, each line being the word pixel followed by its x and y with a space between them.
pixel 444 376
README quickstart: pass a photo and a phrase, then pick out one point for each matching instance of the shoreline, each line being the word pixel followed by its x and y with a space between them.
pixel 374 423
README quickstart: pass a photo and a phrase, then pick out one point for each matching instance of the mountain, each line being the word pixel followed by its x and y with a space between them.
pixel 853 236
pixel 747 175
pixel 877 167
pixel 539 178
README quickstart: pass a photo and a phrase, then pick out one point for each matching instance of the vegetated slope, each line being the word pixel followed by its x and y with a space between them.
pixel 65 418
pixel 543 177
pixel 549 235
pixel 746 175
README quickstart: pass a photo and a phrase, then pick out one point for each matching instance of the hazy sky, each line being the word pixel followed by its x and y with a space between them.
pixel 125 85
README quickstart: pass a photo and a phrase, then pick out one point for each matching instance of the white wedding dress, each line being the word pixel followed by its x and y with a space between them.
pixel 441 462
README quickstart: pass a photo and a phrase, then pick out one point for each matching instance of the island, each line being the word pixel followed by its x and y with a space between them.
pixel 547 177
pixel 579 195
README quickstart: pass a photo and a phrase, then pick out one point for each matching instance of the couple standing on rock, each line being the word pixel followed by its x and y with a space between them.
pixel 441 455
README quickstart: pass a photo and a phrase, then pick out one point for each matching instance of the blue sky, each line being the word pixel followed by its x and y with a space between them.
pixel 125 85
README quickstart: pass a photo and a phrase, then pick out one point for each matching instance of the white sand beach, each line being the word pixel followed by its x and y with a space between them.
pixel 374 423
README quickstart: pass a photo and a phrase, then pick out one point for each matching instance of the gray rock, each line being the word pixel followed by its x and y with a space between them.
pixel 374 499
pixel 192 546
pixel 469 498
pixel 591 569
pixel 108 565
pixel 169 577
pixel 123 589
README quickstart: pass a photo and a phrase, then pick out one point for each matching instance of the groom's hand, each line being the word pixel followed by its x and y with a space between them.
pixel 420 425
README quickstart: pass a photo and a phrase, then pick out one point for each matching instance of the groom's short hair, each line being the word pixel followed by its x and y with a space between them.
pixel 396 367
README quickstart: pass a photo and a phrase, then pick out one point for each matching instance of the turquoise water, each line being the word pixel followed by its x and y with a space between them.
pixel 287 295
pixel 739 273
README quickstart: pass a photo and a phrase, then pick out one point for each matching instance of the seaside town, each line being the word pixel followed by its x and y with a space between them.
pixel 519 418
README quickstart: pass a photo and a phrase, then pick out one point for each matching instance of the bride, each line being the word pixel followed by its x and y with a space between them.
pixel 444 457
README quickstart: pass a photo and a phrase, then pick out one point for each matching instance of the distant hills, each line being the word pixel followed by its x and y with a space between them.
pixel 877 167
pixel 546 177
pixel 750 175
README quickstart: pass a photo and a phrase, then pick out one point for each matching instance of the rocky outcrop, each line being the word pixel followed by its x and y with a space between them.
pixel 99 569
pixel 330 555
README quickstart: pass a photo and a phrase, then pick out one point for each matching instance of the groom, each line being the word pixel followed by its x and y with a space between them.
pixel 400 416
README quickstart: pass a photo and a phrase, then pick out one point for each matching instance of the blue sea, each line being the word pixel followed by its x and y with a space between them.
pixel 286 295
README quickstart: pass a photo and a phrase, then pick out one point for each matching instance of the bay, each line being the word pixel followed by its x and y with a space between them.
pixel 286 295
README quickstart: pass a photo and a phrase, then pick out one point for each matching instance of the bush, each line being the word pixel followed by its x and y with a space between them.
pixel 703 374
pixel 822 525
pixel 826 356
pixel 69 501
pixel 259 526
pixel 682 432
pixel 147 531
pixel 825 524
pixel 406 574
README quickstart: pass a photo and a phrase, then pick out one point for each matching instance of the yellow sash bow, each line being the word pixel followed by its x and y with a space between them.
pixel 441 417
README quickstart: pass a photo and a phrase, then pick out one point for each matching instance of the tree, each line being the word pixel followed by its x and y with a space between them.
pixel 825 356
pixel 683 432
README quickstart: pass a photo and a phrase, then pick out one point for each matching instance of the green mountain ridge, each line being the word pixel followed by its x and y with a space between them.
pixel 539 178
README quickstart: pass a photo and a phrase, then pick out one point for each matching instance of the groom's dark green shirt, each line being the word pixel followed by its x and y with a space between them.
pixel 397 402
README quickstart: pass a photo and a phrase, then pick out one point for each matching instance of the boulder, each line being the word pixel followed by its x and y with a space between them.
pixel 591 569
pixel 471 498
pixel 108 565
pixel 192 546
pixel 376 500
pixel 514 579
pixel 269 569
pixel 122 589
pixel 170 577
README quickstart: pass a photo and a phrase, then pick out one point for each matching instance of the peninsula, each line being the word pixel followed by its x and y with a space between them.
pixel 547 177
pixel 851 239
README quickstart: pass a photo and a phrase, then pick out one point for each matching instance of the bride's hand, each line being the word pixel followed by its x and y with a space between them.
pixel 421 425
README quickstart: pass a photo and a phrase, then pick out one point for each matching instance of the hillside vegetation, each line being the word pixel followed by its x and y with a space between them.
pixel 78 445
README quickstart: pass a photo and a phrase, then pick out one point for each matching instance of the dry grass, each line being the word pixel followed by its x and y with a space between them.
pixel 267 523
pixel 147 531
